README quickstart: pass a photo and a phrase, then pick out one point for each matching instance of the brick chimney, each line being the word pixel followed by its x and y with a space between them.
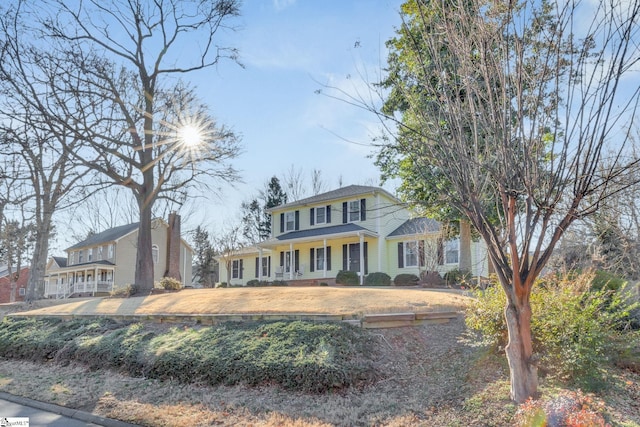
pixel 173 247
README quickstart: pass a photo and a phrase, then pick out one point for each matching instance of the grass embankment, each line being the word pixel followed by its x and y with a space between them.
pixel 306 356
pixel 312 300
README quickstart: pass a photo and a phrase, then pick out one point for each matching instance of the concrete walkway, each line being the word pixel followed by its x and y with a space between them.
pixel 50 415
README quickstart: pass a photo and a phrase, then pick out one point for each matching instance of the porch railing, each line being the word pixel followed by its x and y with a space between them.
pixel 64 290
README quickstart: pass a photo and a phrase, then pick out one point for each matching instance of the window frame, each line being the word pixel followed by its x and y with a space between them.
pixel 351 212
pixel 449 249
pixel 265 266
pixel 155 253
pixel 412 252
pixel 80 256
pixel 235 269
pixel 322 209
pixel 110 251
pixel 286 221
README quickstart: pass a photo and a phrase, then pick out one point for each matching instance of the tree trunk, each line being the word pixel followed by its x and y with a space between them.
pixel 39 258
pixel 465 246
pixel 523 371
pixel 144 257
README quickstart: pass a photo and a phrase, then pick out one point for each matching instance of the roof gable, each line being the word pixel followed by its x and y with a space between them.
pixel 415 226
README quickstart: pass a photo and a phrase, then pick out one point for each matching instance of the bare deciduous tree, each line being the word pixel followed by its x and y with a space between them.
pixel 116 68
pixel 516 103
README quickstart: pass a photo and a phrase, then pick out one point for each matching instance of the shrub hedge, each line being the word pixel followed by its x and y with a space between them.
pixel 297 355
pixel 345 277
pixel 377 279
pixel 405 279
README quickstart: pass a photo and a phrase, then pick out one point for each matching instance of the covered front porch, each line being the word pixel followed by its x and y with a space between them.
pixel 309 256
pixel 80 280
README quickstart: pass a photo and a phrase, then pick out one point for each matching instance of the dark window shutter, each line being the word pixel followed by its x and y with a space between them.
pixel 345 250
pixel 241 268
pixel 366 258
pixel 269 266
pixel 282 222
pixel 312 259
pixel 297 221
pixel 328 214
pixel 312 220
pixel 281 259
pixel 296 259
pixel 344 213
pixel 400 255
pixel 440 252
pixel 421 254
pixel 328 257
pixel 363 209
pixel 257 267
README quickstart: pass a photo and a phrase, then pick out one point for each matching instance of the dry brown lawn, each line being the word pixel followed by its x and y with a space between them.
pixel 308 300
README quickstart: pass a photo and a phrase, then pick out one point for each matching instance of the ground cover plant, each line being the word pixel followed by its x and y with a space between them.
pixel 296 355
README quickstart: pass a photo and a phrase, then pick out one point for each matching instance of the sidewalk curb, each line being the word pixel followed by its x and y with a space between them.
pixel 67 412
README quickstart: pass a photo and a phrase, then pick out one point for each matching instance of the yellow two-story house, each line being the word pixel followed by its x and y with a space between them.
pixel 357 228
pixel 106 261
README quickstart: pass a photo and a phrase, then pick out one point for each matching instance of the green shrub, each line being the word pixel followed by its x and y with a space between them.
pixel 279 283
pixel 324 284
pixel 253 283
pixel 169 283
pixel 123 291
pixel 575 330
pixel 457 277
pixel 406 279
pixel 345 277
pixel 377 279
pixel 297 355
pixel 221 285
pixel 606 280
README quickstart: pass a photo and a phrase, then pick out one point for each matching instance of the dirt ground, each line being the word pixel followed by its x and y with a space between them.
pixel 311 300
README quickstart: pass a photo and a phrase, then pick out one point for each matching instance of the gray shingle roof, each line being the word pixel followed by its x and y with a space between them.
pixel 106 236
pixel 348 191
pixel 335 229
pixel 60 260
pixel 416 226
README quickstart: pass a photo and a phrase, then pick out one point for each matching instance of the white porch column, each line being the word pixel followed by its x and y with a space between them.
pixel 95 280
pixel 361 258
pixel 291 261
pixel 260 264
pixel 324 265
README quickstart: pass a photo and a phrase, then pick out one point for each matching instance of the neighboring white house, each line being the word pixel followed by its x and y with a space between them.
pixel 357 228
pixel 106 261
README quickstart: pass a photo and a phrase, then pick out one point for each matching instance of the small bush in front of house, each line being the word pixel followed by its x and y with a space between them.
pixel 324 284
pixel 345 277
pixel 169 283
pixel 278 283
pixel 123 291
pixel 253 283
pixel 221 285
pixel 457 277
pixel 406 279
pixel 377 279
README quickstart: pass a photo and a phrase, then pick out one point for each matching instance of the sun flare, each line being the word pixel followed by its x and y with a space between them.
pixel 190 136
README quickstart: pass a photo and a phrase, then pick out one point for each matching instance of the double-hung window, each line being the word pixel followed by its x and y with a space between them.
pixel 155 252
pixel 80 258
pixel 321 215
pixel 451 251
pixel 89 255
pixel 290 221
pixel 265 267
pixel 411 254
pixel 236 269
pixel 354 210
pixel 110 251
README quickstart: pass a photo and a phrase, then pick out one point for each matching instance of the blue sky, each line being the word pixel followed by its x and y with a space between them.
pixel 290 49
